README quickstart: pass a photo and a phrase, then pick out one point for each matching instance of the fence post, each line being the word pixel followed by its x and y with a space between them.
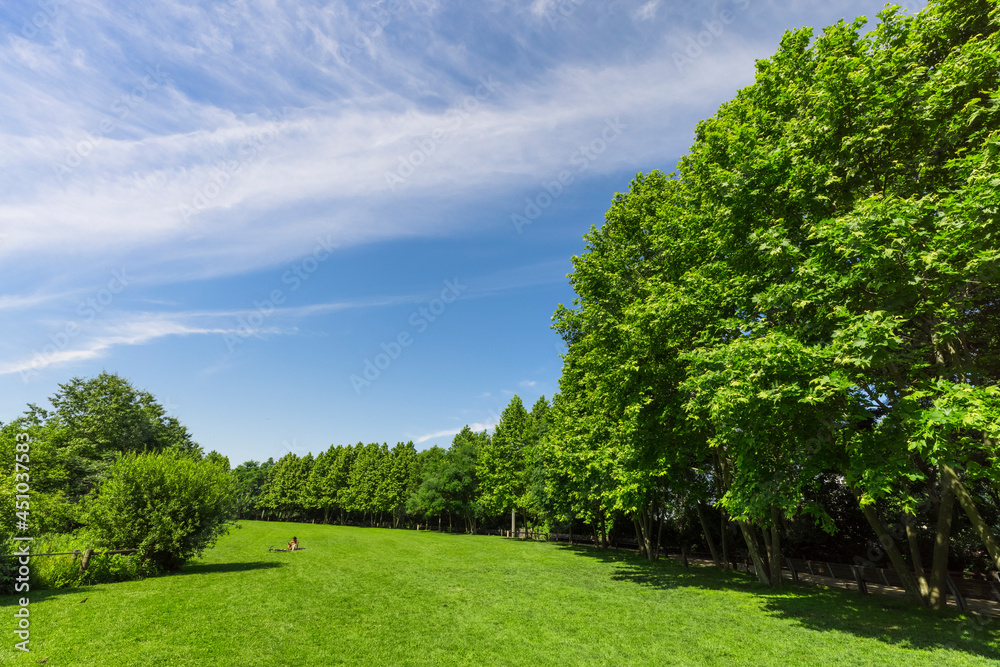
pixel 791 566
pixel 86 559
pixel 859 578
pixel 959 598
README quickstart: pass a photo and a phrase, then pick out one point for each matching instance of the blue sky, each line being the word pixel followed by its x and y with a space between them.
pixel 245 206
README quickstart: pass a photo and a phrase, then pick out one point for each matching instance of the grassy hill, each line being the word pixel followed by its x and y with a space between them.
pixel 359 596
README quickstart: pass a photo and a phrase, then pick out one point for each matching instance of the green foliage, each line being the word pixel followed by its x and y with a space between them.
pixel 504 461
pixel 286 489
pixel 815 291
pixel 250 479
pixel 51 508
pixel 448 479
pixel 367 481
pixel 168 505
pixel 90 424
pixel 429 498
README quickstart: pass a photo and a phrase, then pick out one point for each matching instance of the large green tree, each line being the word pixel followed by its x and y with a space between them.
pixel 816 288
pixel 88 425
pixel 504 462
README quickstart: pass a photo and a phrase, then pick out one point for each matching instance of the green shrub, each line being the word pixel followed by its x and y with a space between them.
pixel 169 506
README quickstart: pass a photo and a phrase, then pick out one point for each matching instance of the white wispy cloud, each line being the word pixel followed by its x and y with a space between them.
pixel 226 117
pixel 201 180
pixel 136 332
pixel 16 301
pixel 140 327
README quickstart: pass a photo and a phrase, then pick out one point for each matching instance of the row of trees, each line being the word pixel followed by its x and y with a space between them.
pixel 479 476
pixel 813 296
pixel 107 465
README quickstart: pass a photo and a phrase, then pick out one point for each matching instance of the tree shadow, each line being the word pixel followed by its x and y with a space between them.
pixel 886 619
pixel 217 568
pixel 41 594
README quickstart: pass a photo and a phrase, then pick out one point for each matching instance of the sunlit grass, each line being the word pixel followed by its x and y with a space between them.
pixel 359 596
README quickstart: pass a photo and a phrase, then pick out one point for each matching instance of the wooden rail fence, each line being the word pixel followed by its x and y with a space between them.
pixel 84 562
pixel 959 585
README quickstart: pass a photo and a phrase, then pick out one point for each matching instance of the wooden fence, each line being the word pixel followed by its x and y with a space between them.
pixel 960 585
pixel 84 562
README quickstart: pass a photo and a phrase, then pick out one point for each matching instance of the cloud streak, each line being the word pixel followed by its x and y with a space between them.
pixel 200 176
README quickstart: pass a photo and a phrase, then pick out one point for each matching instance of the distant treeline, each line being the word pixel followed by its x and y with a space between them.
pixel 478 477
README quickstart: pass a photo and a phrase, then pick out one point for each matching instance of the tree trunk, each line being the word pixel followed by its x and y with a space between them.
pixel 909 520
pixel 909 582
pixel 659 534
pixel 703 519
pixel 638 534
pixel 604 531
pixel 724 528
pixel 646 526
pixel 939 568
pixel 763 552
pixel 750 537
pixel 774 548
pixel 967 503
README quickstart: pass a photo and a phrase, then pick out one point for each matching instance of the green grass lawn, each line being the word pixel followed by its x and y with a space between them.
pixel 359 596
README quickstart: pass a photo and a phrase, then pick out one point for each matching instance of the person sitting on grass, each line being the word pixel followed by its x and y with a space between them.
pixel 294 544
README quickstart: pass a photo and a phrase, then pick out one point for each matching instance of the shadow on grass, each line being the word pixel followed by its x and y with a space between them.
pixel 40 594
pixel 216 568
pixel 883 618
